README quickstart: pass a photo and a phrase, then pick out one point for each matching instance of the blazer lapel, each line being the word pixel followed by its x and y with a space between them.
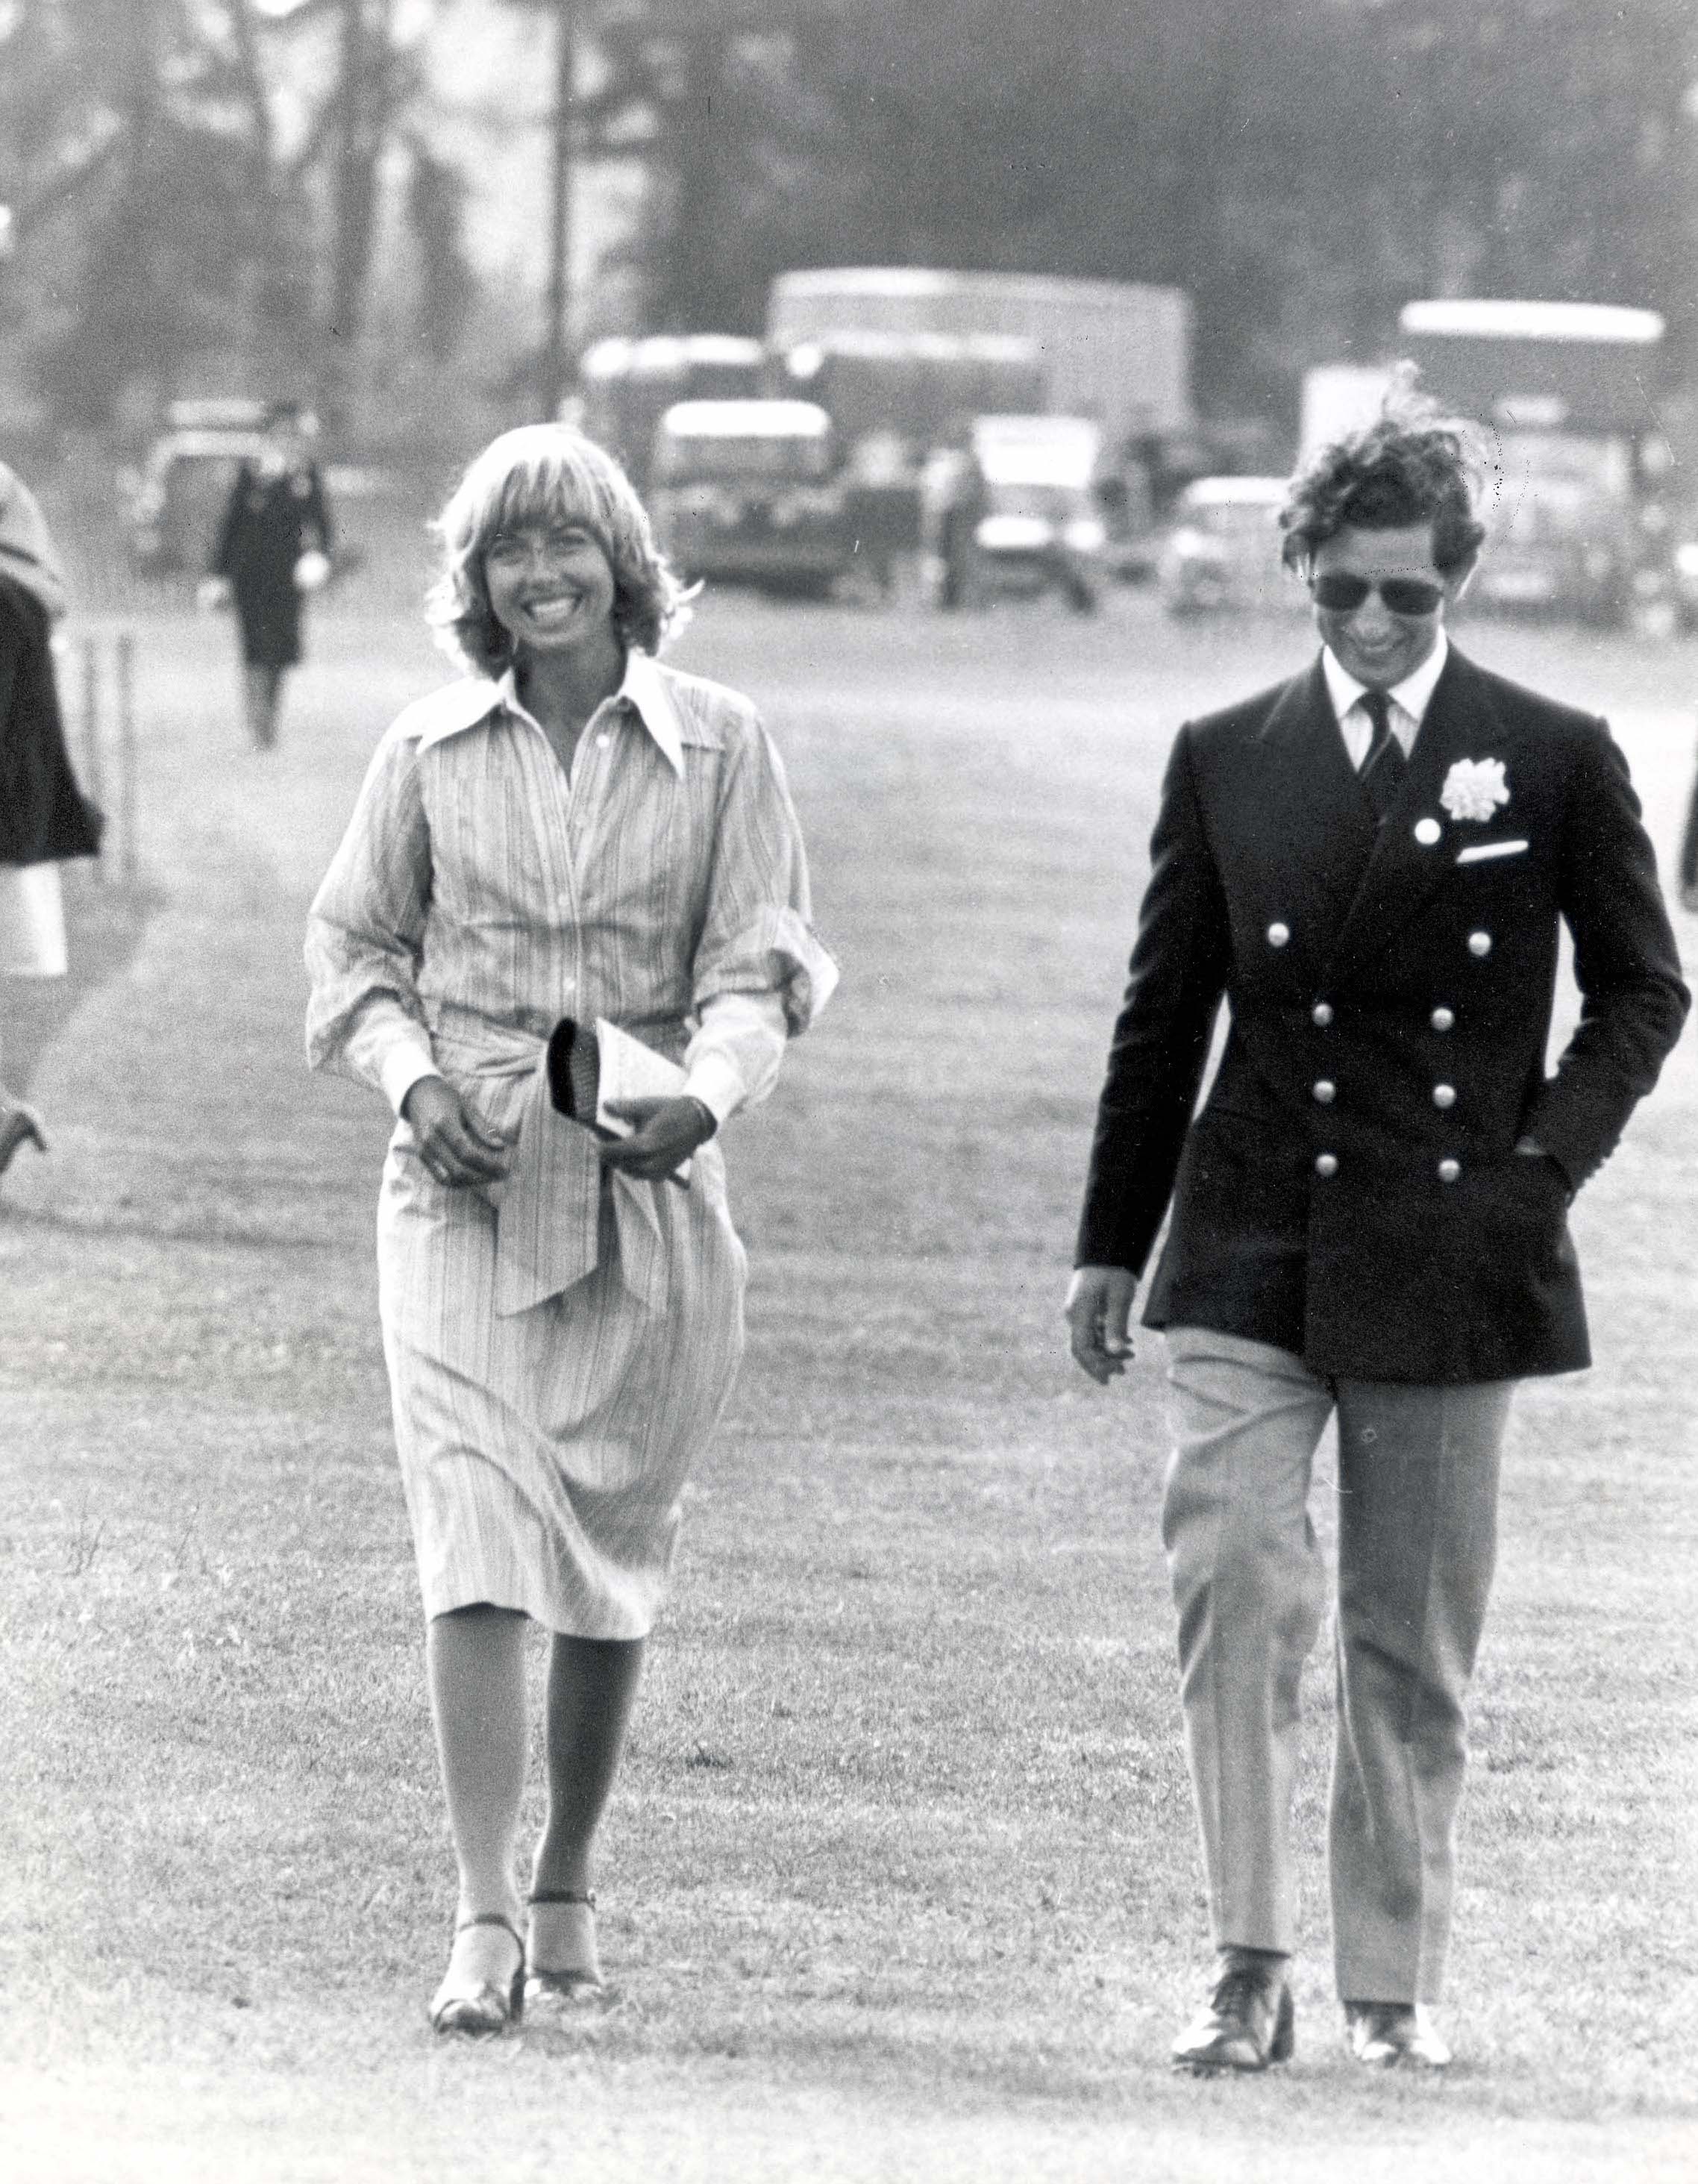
pixel 1404 869
pixel 1308 832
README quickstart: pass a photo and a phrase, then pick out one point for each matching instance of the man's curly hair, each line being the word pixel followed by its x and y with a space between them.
pixel 1413 465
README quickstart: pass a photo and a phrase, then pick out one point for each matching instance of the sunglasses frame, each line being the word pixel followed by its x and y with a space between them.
pixel 1432 594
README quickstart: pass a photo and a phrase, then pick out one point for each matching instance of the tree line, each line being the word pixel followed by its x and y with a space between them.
pixel 1300 167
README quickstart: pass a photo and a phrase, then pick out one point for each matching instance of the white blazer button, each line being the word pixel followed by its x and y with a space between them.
pixel 1426 832
pixel 1444 1095
pixel 1278 934
pixel 1326 1092
pixel 1479 943
pixel 1327 1164
pixel 603 740
pixel 1322 1014
pixel 1442 1019
pixel 1449 1170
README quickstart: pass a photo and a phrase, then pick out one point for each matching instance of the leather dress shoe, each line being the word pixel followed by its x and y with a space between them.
pixel 1390 2035
pixel 1248 2022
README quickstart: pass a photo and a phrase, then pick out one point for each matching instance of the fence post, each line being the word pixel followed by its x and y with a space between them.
pixel 91 733
pixel 126 756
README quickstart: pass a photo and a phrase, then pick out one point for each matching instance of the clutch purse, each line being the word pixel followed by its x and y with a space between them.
pixel 593 1068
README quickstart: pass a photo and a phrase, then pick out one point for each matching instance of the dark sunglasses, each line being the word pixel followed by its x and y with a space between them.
pixel 1340 593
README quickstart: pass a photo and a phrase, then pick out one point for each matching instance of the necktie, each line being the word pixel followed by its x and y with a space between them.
pixel 1382 769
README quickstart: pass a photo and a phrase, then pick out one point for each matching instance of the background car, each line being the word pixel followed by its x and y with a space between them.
pixel 752 491
pixel 1222 553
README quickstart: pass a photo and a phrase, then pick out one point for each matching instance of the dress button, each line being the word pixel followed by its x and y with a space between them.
pixel 1449 1170
pixel 1426 832
pixel 1278 934
pixel 1442 1019
pixel 1327 1164
pixel 1326 1092
pixel 1444 1095
pixel 1322 1014
pixel 1479 943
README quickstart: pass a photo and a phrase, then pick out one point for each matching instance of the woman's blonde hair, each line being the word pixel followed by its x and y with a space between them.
pixel 547 474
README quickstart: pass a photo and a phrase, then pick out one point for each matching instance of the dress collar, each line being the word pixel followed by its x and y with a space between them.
pixel 643 687
pixel 1414 693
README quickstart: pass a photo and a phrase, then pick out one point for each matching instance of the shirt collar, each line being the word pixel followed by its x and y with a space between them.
pixel 643 687
pixel 1414 693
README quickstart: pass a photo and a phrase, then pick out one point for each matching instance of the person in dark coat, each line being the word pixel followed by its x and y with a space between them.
pixel 43 816
pixel 273 547
pixel 1369 864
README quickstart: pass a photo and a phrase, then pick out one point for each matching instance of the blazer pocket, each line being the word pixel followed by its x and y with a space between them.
pixel 1481 850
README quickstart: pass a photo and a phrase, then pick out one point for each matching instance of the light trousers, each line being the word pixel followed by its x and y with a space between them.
pixel 1417 1493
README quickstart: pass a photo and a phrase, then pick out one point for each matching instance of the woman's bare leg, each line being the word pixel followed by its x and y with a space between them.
pixel 592 1690
pixel 476 1660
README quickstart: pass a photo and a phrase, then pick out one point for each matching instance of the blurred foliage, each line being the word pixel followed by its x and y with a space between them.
pixel 1301 167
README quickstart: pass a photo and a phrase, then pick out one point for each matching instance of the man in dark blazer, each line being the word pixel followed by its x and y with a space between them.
pixel 1370 864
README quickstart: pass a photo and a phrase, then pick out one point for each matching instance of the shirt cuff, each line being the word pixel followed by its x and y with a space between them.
pixel 402 1068
pixel 717 1083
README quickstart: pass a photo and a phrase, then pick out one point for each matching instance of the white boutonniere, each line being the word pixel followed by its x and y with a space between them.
pixel 1474 788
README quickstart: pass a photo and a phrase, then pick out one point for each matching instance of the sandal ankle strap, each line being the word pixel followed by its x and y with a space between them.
pixel 492 1918
pixel 585 1895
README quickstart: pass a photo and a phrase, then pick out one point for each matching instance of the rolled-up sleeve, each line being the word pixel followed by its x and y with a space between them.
pixel 365 933
pixel 761 975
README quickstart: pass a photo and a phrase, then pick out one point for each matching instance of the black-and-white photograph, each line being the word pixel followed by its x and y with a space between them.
pixel 848 1148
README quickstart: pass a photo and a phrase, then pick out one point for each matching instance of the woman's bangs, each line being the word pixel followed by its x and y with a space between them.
pixel 553 486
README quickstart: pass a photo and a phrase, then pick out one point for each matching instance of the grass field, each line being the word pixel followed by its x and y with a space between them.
pixel 900 1881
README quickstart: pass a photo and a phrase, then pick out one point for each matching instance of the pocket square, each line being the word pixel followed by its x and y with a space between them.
pixel 1482 851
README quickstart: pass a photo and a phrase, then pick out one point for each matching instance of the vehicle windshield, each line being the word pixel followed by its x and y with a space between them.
pixel 765 456
pixel 1574 467
pixel 1231 519
pixel 1054 503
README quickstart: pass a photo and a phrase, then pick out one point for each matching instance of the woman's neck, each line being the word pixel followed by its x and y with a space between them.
pixel 561 690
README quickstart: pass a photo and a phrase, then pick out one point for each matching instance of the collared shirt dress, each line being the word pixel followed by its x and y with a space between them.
pixel 560 1346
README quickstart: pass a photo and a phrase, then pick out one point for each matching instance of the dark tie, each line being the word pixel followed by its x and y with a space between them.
pixel 1382 769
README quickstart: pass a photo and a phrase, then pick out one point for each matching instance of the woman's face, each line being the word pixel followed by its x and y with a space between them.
pixel 551 585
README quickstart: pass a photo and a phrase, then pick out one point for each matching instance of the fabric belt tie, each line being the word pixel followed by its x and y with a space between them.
pixel 1383 767
pixel 547 1206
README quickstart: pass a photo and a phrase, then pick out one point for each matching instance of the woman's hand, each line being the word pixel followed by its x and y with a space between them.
pixel 211 593
pixel 452 1145
pixel 668 1131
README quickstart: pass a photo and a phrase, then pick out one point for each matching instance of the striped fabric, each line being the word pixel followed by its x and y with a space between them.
pixel 478 897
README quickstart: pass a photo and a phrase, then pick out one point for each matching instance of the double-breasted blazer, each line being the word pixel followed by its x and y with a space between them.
pixel 1349 1190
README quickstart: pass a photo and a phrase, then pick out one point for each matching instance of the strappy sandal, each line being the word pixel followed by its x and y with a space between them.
pixel 488 2008
pixel 569 1984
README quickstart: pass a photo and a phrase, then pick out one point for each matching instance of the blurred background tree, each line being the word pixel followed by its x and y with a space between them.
pixel 221 191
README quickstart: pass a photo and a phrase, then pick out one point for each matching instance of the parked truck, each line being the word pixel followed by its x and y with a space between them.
pixel 1565 395
pixel 1114 351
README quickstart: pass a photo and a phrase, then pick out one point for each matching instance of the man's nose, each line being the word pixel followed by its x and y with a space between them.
pixel 1373 618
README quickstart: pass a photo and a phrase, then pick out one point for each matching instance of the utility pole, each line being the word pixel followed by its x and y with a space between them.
pixel 555 371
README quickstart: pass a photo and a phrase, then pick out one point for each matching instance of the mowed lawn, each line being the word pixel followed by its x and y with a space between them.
pixel 900 1879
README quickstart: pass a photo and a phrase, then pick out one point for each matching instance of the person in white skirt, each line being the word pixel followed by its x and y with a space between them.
pixel 44 818
pixel 572 832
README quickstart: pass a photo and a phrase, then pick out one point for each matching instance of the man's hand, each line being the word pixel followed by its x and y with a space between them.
pixel 452 1145
pixel 1099 1309
pixel 668 1131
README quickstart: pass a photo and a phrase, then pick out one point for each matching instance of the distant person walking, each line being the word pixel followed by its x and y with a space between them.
pixel 43 816
pixel 272 549
pixel 1369 865
pixel 1689 854
pixel 572 832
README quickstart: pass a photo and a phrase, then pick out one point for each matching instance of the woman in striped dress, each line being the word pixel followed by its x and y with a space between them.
pixel 572 831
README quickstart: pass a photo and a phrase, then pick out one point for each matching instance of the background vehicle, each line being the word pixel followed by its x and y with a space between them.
pixel 1563 391
pixel 1011 508
pixel 751 491
pixel 625 386
pixel 1338 399
pixel 172 504
pixel 1222 552
pixel 1116 352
